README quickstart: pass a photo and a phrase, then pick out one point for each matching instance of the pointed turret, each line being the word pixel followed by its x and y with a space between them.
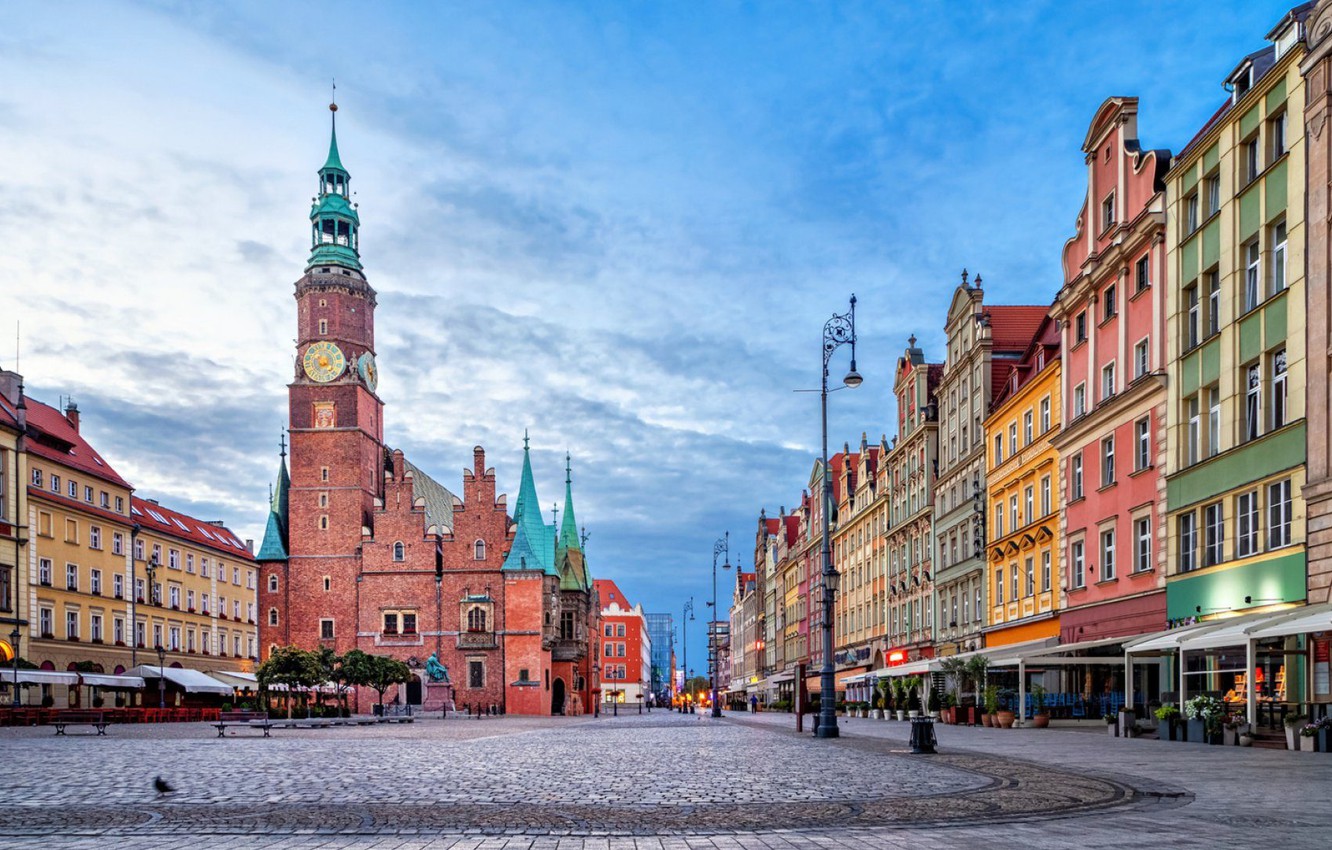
pixel 534 541
pixel 274 546
pixel 568 526
pixel 335 226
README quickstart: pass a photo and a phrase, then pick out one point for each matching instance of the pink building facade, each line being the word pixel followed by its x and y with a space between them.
pixel 1111 312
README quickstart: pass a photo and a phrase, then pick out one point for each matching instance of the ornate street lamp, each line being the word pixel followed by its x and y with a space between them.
pixel 721 548
pixel 838 331
pixel 685 616
pixel 161 676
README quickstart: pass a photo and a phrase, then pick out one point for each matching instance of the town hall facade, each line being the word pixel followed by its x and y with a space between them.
pixel 364 550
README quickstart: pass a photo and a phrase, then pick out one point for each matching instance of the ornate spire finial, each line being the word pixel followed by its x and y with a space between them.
pixel 525 442
pixel 911 340
pixel 333 103
pixel 568 469
pixel 978 280
pixel 964 277
pixel 583 537
pixel 554 514
pixel 282 444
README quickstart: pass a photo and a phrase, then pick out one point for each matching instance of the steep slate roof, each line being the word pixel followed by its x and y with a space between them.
pixel 154 517
pixel 438 499
pixel 54 438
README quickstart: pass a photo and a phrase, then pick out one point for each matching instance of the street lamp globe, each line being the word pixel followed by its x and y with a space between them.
pixel 853 378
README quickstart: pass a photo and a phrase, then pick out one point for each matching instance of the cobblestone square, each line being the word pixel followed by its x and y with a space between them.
pixel 661 781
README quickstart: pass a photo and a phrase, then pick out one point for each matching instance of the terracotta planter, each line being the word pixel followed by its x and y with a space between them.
pixel 1005 719
pixel 987 720
pixel 1040 721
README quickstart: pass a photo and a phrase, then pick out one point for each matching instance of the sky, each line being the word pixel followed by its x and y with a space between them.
pixel 620 226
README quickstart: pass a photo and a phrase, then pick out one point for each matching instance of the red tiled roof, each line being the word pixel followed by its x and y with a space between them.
pixel 1012 326
pixel 772 525
pixel 57 440
pixel 793 528
pixel 154 517
pixel 604 587
pixel 8 415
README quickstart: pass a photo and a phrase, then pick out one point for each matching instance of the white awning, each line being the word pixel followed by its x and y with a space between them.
pixel 782 677
pixel 1315 618
pixel 38 677
pixel 911 668
pixel 119 683
pixel 190 681
pixel 236 679
pixel 1166 641
pixel 1236 631
pixel 1009 654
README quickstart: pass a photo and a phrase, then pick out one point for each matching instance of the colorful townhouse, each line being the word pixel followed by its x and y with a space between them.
pixel 983 345
pixel 909 478
pixel 1235 307
pixel 1316 69
pixel 1022 492
pixel 626 648
pixel 1112 312
pixel 860 553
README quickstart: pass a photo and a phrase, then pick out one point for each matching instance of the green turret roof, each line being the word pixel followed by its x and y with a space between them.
pixel 568 540
pixel 534 541
pixel 336 226
pixel 334 162
pixel 274 547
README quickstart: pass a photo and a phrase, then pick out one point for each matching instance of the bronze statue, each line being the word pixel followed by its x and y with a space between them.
pixel 435 670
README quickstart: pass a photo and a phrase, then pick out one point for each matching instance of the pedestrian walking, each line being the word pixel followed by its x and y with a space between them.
pixel 753 703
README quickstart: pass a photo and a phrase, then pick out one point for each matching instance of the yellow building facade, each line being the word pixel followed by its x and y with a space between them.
pixel 1022 494
pixel 860 554
pixel 111 577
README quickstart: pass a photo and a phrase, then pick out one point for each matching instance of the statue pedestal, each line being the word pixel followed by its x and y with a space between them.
pixel 438 696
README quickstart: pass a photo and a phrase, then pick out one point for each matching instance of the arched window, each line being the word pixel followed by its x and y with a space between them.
pixel 399 552
pixel 476 620
pixel 272 584
pixel 272 617
pixel 479 552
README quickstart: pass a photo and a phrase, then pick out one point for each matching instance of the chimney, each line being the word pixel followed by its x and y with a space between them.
pixel 249 544
pixel 72 414
pixel 10 384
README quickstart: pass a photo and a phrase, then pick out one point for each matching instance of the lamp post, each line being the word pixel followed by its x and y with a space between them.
pixel 685 616
pixel 838 331
pixel 149 568
pixel 161 676
pixel 721 547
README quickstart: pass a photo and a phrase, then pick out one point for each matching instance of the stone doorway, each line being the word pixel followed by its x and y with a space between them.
pixel 557 696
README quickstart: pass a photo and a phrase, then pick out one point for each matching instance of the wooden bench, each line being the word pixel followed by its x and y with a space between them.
pixel 246 719
pixel 95 719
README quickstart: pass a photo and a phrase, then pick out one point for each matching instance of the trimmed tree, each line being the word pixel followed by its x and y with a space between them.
pixel 385 672
pixel 293 667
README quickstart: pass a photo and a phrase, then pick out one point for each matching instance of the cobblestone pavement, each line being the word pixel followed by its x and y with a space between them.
pixel 654 781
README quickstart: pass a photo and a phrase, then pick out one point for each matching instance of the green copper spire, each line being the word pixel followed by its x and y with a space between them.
pixel 568 526
pixel 274 546
pixel 335 226
pixel 534 542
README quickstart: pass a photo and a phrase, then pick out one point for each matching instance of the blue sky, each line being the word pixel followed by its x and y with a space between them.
pixel 618 225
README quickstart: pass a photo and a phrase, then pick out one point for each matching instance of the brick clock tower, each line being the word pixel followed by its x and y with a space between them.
pixel 336 427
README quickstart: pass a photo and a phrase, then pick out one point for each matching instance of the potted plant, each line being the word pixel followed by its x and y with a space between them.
pixel 1204 715
pixel 878 708
pixel 899 697
pixel 1040 717
pixel 977 671
pixel 1309 737
pixel 1127 721
pixel 1006 716
pixel 913 696
pixel 1167 716
pixel 950 708
pixel 1111 724
pixel 1232 727
pixel 991 697
pixel 932 704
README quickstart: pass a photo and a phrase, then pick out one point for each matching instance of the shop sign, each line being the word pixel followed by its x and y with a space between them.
pixel 897 656
pixel 1322 654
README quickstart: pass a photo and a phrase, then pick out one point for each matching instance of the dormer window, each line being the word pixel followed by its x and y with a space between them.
pixel 1241 82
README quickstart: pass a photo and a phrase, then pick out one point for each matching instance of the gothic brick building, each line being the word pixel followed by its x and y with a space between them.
pixel 364 550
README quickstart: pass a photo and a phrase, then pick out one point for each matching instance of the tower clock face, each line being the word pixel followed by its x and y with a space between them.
pixel 324 361
pixel 365 364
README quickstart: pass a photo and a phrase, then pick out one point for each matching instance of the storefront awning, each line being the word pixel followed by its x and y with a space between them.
pixel 1235 631
pixel 1315 618
pixel 236 679
pixel 1166 641
pixel 190 681
pixel 117 683
pixel 778 678
pixel 911 668
pixel 38 677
